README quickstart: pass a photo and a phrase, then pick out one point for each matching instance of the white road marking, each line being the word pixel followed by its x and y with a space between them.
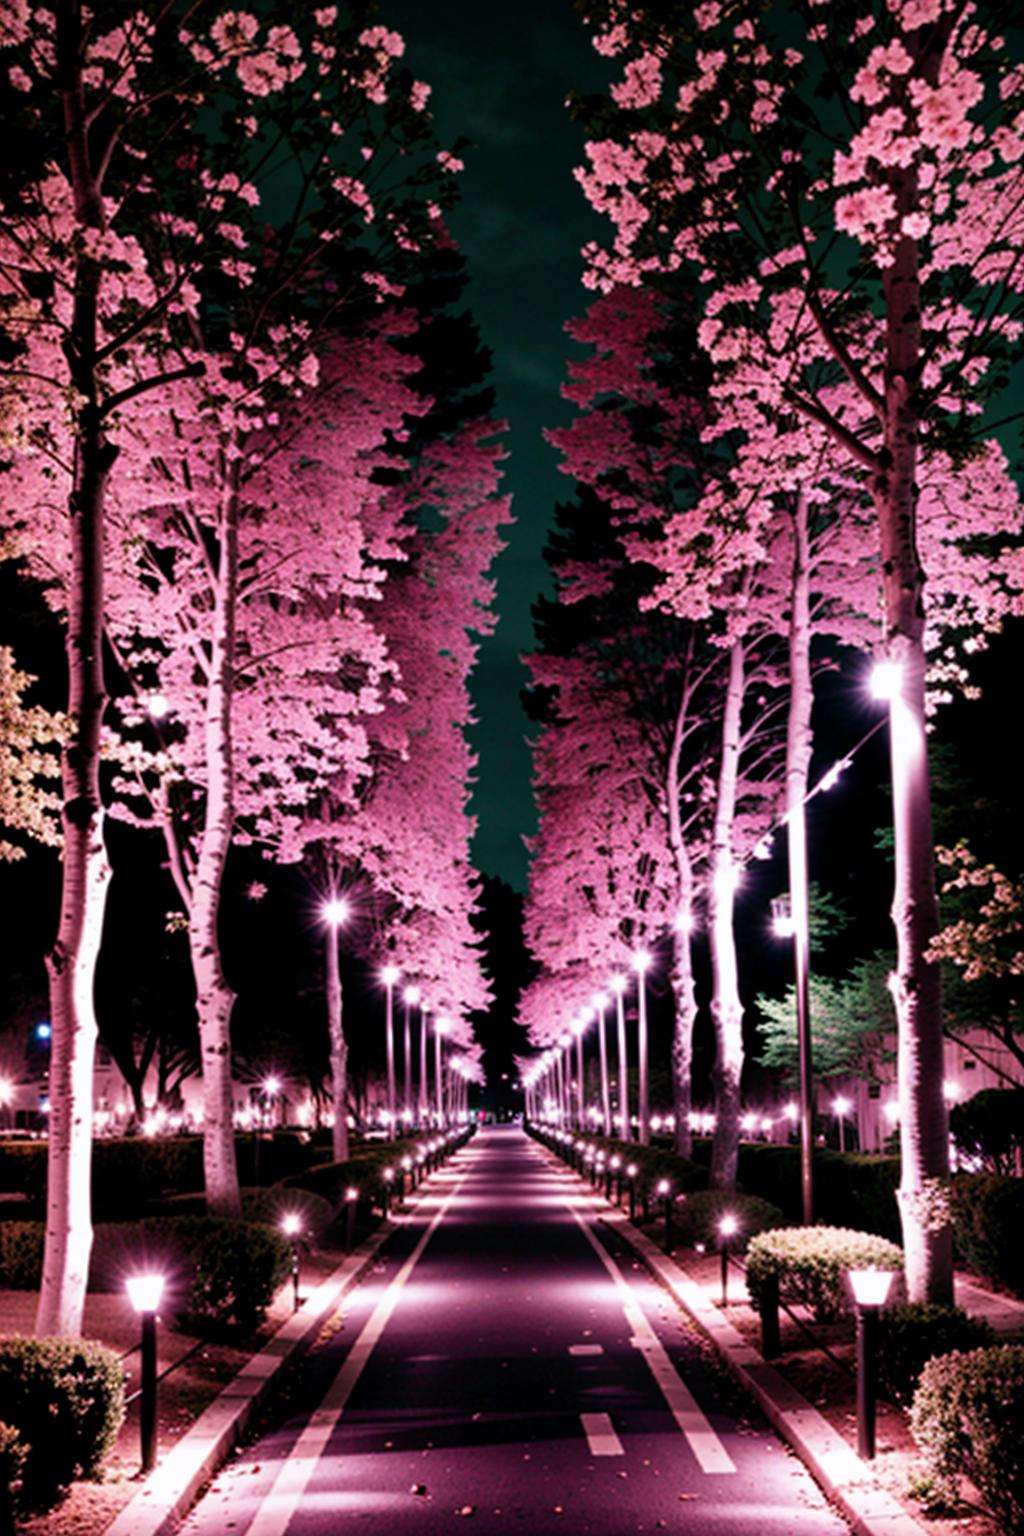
pixel 601 1437
pixel 586 1349
pixel 701 1438
pixel 279 1505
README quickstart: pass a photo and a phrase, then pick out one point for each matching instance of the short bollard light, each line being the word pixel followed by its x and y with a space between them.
pixel 144 1293
pixel 389 1179
pixel 406 1169
pixel 291 1226
pixel 351 1202
pixel 599 1169
pixel 615 1167
pixel 664 1193
pixel 631 1173
pixel 728 1226
pixel 870 1289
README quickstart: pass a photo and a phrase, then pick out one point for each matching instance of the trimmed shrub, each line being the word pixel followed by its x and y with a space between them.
pixel 269 1206
pixel 912 1333
pixel 990 1127
pixel 220 1271
pixel 21 1254
pixel 988 1217
pixel 13 1455
pixel 695 1219
pixel 811 1265
pixel 851 1189
pixel 967 1419
pixel 65 1399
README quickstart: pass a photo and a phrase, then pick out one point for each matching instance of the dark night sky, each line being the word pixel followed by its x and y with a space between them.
pixel 500 77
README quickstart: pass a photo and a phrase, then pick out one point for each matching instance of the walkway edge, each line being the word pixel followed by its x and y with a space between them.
pixel 171 1489
pixel 836 1468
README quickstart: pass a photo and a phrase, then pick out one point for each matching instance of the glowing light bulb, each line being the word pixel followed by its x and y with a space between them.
pixel 335 911
pixel 886 680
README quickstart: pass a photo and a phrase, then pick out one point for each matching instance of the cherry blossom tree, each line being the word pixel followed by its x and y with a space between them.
pixel 111 249
pixel 868 279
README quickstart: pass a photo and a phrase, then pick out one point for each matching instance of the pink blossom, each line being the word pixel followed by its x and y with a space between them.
pixel 419 95
pixel 641 85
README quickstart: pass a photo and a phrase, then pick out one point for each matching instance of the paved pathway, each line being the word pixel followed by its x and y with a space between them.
pixel 507 1364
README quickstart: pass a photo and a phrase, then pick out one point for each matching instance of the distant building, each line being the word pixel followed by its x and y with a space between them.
pixel 970 1064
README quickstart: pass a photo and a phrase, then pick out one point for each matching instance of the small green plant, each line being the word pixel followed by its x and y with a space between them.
pixel 65 1400
pixel 967 1417
pixel 696 1218
pixel 911 1334
pixel 812 1263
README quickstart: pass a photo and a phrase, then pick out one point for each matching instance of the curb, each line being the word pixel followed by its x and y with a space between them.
pixel 170 1490
pixel 846 1480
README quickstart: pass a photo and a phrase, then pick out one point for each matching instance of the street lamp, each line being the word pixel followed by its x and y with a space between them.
pixel 410 998
pixel 144 1293
pixel 728 1226
pixel 870 1291
pixel 791 920
pixel 389 975
pixel 618 985
pixel 631 1173
pixel 351 1200
pixel 578 1028
pixel 664 1192
pixel 641 963
pixel 442 1027
pixel 599 1002
pixel 841 1107
pixel 291 1226
pixel 886 681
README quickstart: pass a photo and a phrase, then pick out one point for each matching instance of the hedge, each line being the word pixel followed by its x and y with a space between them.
pixel 967 1417
pixel 913 1333
pixel 988 1218
pixel 221 1271
pixel 851 1189
pixel 129 1172
pixel 13 1455
pixel 811 1265
pixel 696 1217
pixel 65 1399
pixel 653 1162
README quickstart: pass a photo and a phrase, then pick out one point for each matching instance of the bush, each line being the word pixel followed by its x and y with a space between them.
pixel 13 1455
pixel 65 1399
pixel 811 1265
pixel 851 1189
pixel 21 1254
pixel 967 1418
pixel 695 1219
pixel 220 1270
pixel 988 1217
pixel 911 1334
pixel 269 1206
pixel 990 1126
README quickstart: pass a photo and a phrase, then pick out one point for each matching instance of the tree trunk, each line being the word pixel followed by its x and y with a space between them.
pixel 85 869
pixel 214 998
pixel 683 991
pixel 338 1047
pixel 799 743
pixel 726 1007
pixel 924 1126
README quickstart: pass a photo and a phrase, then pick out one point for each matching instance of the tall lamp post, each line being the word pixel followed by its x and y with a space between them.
pixel 410 998
pixel 600 1002
pixel 442 1027
pixel 423 1098
pixel 641 965
pixel 335 913
pixel 618 984
pixel 389 976
pixel 792 923
pixel 579 1029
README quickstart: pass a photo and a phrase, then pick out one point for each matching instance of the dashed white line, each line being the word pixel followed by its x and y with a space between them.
pixel 701 1438
pixel 586 1349
pixel 601 1436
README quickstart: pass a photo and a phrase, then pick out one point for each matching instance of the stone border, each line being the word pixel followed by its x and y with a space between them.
pixel 837 1469
pixel 171 1488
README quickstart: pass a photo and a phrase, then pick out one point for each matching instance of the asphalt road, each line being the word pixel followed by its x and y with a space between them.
pixel 508 1365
